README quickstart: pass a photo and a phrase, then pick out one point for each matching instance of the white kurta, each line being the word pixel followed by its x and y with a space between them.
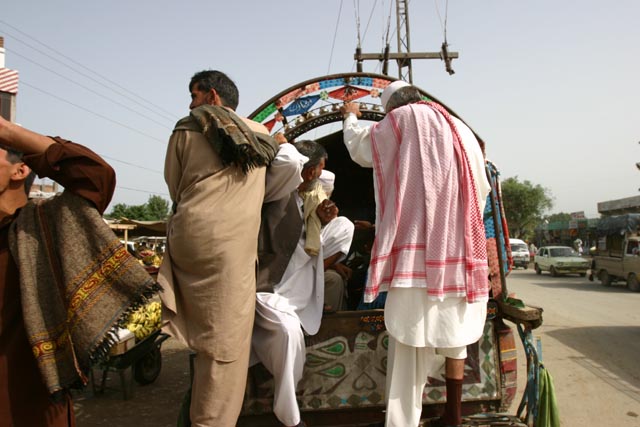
pixel 337 237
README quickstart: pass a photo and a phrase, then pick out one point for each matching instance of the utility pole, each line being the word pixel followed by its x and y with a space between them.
pixel 404 55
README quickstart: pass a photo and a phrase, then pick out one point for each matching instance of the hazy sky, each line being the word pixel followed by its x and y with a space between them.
pixel 552 87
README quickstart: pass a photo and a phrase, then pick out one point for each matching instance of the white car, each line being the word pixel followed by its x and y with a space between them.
pixel 560 260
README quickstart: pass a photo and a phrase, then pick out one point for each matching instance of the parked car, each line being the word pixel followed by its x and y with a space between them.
pixel 519 253
pixel 560 260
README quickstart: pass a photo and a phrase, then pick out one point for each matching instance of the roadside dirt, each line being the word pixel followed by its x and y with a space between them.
pixel 153 405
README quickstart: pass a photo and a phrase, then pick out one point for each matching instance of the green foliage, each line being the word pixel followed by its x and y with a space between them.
pixel 119 210
pixel 559 217
pixel 156 209
pixel 524 206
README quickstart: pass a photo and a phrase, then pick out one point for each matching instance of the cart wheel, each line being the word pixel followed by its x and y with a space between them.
pixel 147 368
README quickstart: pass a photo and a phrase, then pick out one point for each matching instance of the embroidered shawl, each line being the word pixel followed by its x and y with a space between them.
pixel 430 229
pixel 77 282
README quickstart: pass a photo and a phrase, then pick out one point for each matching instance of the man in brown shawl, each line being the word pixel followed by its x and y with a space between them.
pixel 66 282
pixel 215 169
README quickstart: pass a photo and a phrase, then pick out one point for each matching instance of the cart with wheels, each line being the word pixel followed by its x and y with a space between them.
pixel 141 363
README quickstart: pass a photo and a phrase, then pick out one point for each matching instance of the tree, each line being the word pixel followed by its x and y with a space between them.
pixel 558 217
pixel 524 205
pixel 120 210
pixel 156 209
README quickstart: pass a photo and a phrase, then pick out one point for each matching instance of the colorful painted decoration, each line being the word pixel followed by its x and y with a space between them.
pixel 301 105
pixel 269 125
pixel 265 113
pixel 289 97
pixel 348 93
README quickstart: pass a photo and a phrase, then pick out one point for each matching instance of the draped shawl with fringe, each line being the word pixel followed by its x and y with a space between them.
pixel 230 137
pixel 430 229
pixel 78 284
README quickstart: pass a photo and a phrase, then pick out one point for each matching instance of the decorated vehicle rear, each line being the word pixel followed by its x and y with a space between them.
pixel 345 370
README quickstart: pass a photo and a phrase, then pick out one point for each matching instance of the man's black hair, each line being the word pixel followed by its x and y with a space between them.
pixel 14 156
pixel 403 96
pixel 313 150
pixel 223 85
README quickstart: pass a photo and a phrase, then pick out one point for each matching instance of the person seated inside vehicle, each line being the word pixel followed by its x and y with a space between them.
pixel 338 238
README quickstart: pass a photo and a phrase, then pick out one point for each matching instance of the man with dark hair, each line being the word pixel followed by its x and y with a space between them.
pixel 430 249
pixel 291 278
pixel 15 157
pixel 215 169
pixel 66 282
pixel 202 83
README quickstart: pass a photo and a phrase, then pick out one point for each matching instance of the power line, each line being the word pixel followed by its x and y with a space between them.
pixel 356 10
pixel 386 42
pixel 93 112
pixel 373 8
pixel 446 16
pixel 142 191
pixel 91 90
pixel 130 164
pixel 169 115
pixel 335 35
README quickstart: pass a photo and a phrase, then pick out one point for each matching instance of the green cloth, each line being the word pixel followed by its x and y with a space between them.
pixel 230 137
pixel 548 415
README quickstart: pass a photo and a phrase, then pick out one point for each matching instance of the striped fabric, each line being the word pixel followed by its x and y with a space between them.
pixel 8 80
pixel 429 225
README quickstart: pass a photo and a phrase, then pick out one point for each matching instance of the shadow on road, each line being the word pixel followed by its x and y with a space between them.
pixel 611 353
pixel 568 282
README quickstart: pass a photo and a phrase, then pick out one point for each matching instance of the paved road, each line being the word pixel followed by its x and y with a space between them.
pixel 591 346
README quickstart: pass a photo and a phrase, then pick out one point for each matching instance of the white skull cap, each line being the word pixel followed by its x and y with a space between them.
pixel 389 90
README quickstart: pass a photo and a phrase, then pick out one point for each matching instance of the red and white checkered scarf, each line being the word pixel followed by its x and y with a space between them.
pixel 429 225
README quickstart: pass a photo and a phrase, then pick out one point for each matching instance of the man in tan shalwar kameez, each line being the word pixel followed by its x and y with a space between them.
pixel 209 269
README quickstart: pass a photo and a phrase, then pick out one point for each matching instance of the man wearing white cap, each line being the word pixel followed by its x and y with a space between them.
pixel 430 249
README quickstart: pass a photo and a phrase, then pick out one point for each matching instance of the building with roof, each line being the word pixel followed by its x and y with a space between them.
pixel 8 87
